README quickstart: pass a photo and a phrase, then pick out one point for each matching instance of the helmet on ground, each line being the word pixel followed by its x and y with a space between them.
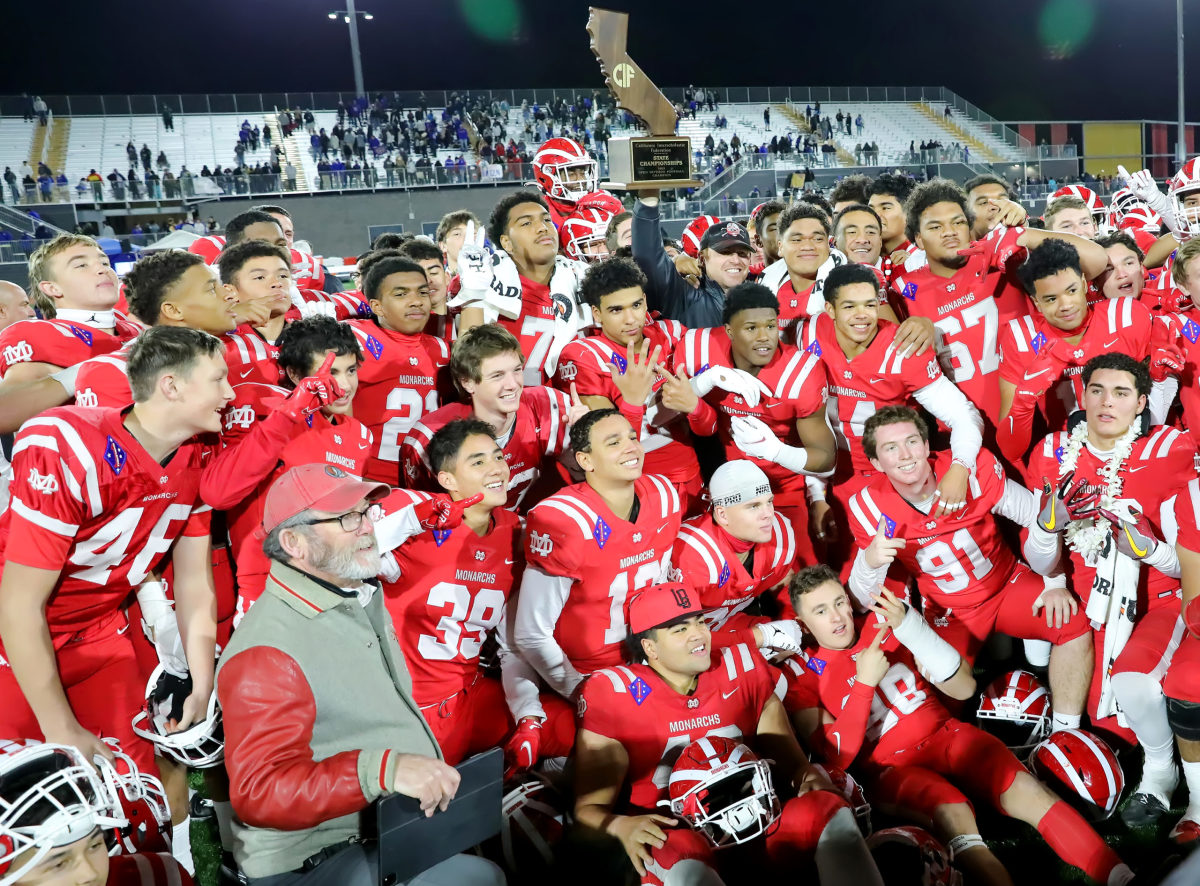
pixel 1015 708
pixel 912 857
pixel 1083 769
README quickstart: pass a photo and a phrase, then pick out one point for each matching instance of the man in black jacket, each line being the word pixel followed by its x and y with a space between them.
pixel 724 259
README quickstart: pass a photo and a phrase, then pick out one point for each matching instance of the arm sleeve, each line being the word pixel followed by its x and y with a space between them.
pixel 668 291
pixel 951 407
pixel 268 712
pixel 1162 395
pixel 1015 430
pixel 1017 504
pixel 539 605
pixel 864 580
pixel 517 677
pixel 243 464
pixel 839 742
pixel 1042 550
pixel 703 419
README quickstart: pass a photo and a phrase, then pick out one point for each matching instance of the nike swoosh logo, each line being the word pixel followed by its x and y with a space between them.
pixel 508 562
pixel 1135 470
pixel 1133 547
pixel 728 694
pixel 1029 375
pixel 876 381
pixel 1109 344
pixel 122 630
pixel 1052 522
pixel 247 372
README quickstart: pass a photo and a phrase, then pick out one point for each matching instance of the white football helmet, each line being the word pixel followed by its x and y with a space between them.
pixel 720 788
pixel 50 796
pixel 199 746
pixel 142 801
pixel 1186 182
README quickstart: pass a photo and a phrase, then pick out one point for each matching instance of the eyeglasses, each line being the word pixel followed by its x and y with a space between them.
pixel 352 520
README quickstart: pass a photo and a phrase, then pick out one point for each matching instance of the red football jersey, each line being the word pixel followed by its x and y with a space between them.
pixel 1159 466
pixel 664 433
pixel 633 705
pixel 959 561
pixel 1183 330
pixel 57 342
pixel 796 307
pixel 574 534
pixel 251 358
pixel 797 383
pixel 967 316
pixel 534 329
pixel 539 432
pixel 147 869
pixel 440 326
pixel 1119 324
pixel 208 248
pixel 1187 515
pixel 904 710
pixel 90 502
pixel 398 383
pixel 104 381
pixel 344 442
pixel 706 562
pixel 453 590
pixel 879 376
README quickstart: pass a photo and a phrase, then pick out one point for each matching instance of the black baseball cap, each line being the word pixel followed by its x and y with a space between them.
pixel 725 237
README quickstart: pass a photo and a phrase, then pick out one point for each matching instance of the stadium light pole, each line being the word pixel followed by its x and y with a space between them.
pixel 350 16
pixel 1181 141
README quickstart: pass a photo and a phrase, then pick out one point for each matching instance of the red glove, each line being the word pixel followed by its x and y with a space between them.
pixel 1016 428
pixel 312 393
pixel 442 513
pixel 521 751
pixel 1135 537
pixel 1165 361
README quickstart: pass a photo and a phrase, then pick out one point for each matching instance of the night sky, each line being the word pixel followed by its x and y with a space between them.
pixel 1016 59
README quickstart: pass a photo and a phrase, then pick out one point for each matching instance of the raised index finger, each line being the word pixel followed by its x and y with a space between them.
pixel 330 356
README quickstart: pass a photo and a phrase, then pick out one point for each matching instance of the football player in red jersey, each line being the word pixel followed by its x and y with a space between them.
pixel 742 550
pixel 857 234
pixel 867 369
pixel 1183 700
pixel 451 231
pixel 535 285
pixel 1125 276
pixel 597 367
pixel 971 584
pixel 429 257
pixel 764 232
pixel 401 378
pixel 75 289
pixel 805 258
pixel 589 546
pixel 636 720
pixel 1042 355
pixel 1070 215
pixel 887 195
pixel 1108 485
pixel 170 288
pixel 913 753
pixel 1175 308
pixel 99 498
pixel 963 289
pixel 532 424
pixel 453 586
pixel 259 277
pixel 563 172
pixel 268 430
pixel 777 402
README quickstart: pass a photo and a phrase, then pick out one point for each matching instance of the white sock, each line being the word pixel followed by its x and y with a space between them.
pixel 1191 774
pixel 1119 876
pixel 1064 721
pixel 223 810
pixel 181 844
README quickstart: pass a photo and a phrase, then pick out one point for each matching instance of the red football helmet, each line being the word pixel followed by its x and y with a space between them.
pixel 720 788
pixel 913 856
pixel 582 235
pixel 694 231
pixel 1185 181
pixel 1016 709
pixel 1121 202
pixel 850 789
pixel 564 171
pixel 1087 195
pixel 531 824
pixel 1141 218
pixel 605 201
pixel 143 803
pixel 1083 768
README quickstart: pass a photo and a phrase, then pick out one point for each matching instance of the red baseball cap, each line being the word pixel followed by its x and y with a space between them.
pixel 316 487
pixel 659 604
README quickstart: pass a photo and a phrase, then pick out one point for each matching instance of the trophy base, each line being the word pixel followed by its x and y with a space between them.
pixel 650 162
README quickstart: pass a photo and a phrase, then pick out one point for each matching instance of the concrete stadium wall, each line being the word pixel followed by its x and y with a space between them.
pixel 337 224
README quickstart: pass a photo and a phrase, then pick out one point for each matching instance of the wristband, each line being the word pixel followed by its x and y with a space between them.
pixel 940 659
pixel 66 378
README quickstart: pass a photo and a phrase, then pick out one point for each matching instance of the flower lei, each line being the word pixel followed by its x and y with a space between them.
pixel 1087 537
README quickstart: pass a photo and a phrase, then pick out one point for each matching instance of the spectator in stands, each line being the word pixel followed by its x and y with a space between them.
pixel 320 537
pixel 10 178
pixel 168 118
pixel 145 155
pixel 858 122
pixel 289 174
pixel 63 186
pixel 153 186
pixel 135 186
pixel 41 109
pixel 766 119
pixel 45 185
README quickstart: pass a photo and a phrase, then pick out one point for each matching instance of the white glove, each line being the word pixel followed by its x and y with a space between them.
pixel 784 636
pixel 735 381
pixel 474 265
pixel 754 438
pixel 1143 185
pixel 318 309
pixel 169 645
pixel 389 569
